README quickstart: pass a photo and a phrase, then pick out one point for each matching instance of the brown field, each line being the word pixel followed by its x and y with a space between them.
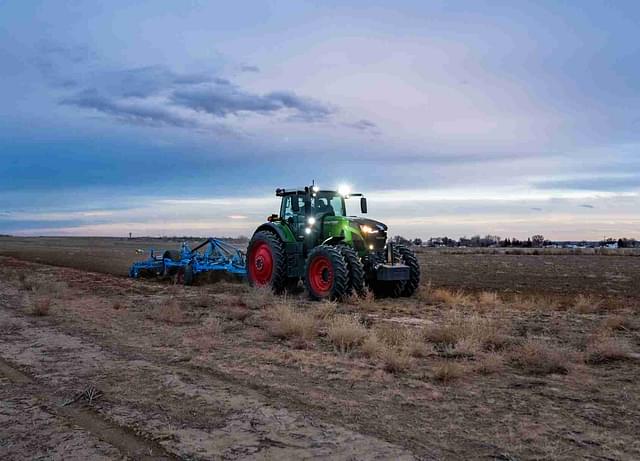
pixel 498 357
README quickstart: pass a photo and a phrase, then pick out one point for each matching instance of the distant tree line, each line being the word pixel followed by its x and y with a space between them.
pixel 535 241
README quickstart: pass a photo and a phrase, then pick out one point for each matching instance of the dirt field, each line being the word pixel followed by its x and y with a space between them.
pixel 537 358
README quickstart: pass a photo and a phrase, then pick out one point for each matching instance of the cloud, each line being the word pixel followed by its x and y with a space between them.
pixel 137 111
pixel 536 208
pixel 155 95
pixel 364 125
pixel 247 68
pixel 227 99
pixel 586 205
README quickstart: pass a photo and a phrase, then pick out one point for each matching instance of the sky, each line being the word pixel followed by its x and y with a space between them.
pixel 454 118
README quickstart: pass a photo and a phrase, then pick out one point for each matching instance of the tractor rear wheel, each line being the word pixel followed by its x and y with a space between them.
pixel 409 259
pixel 326 273
pixel 266 262
pixel 356 283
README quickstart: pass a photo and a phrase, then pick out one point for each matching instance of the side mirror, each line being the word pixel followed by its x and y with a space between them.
pixel 295 204
pixel 363 205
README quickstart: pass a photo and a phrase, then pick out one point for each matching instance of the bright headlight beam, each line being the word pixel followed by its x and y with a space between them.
pixel 311 221
pixel 344 190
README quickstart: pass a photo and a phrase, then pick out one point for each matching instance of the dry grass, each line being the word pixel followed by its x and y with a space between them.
pixel 416 346
pixel 367 302
pixel 259 298
pixel 394 360
pixel 620 322
pixel 534 303
pixel 489 300
pixel 604 349
pixel 289 322
pixel 490 363
pixel 346 332
pixel 326 310
pixel 450 297
pixel 372 346
pixel 447 372
pixel 169 312
pixel 468 334
pixel 586 304
pixel 541 358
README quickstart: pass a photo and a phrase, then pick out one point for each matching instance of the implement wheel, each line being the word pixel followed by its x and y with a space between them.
pixel 266 262
pixel 326 273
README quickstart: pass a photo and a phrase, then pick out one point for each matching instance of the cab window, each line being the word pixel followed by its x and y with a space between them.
pixel 287 210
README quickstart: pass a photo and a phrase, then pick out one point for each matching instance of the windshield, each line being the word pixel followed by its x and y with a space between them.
pixel 329 204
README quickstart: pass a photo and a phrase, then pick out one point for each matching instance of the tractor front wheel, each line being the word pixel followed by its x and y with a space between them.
pixel 266 262
pixel 326 273
pixel 409 259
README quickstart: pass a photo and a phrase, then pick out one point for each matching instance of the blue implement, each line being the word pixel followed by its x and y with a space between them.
pixel 210 255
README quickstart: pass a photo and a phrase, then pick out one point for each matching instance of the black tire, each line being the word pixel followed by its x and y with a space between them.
pixel 267 242
pixel 356 283
pixel 385 289
pixel 409 258
pixel 326 273
pixel 189 276
pixel 173 255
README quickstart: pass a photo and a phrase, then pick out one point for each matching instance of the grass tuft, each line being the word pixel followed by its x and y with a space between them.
pixel 289 322
pixel 540 358
pixel 586 304
pixel 346 332
pixel 447 372
pixel 604 349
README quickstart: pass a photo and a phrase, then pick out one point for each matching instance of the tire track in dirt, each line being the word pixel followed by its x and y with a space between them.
pixel 122 439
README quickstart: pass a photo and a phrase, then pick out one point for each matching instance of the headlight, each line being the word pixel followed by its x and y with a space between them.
pixel 311 221
pixel 344 190
pixel 367 229
pixel 307 230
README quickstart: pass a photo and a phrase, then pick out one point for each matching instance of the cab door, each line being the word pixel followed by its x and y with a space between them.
pixel 296 220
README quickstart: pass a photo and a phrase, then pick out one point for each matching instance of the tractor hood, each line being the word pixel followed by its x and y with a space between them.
pixel 372 223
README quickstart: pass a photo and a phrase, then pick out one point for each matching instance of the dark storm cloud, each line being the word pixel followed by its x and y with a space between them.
pixel 616 184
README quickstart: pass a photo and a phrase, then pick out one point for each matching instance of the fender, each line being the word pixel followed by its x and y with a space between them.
pixel 285 234
pixel 334 240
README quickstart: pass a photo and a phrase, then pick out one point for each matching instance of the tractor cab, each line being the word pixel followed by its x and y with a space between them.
pixel 306 211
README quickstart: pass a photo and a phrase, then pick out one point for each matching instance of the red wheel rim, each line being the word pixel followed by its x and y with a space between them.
pixel 261 264
pixel 321 275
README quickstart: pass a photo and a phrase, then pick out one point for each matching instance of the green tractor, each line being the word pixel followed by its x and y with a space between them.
pixel 336 255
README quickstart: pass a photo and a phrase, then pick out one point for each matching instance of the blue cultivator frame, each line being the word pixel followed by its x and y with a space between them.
pixel 188 262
